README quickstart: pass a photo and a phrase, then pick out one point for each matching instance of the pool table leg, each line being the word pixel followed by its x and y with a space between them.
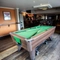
pixel 19 47
pixel 50 39
pixel 32 54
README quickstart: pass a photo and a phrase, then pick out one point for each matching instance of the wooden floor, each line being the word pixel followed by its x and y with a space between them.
pixel 49 51
pixel 6 42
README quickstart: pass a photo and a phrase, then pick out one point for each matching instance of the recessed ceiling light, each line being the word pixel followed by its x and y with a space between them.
pixel 33 1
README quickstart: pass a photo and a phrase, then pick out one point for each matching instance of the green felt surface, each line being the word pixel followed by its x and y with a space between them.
pixel 29 32
pixel 17 39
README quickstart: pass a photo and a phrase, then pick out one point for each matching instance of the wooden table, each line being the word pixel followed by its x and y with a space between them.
pixel 37 36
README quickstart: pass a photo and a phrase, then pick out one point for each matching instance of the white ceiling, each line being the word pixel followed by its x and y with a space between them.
pixel 27 4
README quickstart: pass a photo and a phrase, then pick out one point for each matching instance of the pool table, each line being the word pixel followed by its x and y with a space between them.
pixel 32 37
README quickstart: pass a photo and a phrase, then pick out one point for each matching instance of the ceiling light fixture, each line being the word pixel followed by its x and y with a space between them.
pixel 43 6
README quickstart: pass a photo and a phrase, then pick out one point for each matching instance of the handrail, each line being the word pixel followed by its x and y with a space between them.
pixel 8 23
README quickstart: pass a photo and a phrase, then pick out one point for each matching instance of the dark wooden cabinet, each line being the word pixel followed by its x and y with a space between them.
pixel 58 24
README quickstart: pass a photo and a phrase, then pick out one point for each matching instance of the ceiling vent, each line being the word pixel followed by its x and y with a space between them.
pixel 43 6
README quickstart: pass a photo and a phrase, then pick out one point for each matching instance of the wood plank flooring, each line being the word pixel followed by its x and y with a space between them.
pixel 49 51
pixel 6 42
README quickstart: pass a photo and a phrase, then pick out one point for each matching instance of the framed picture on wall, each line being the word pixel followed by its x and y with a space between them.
pixel 7 15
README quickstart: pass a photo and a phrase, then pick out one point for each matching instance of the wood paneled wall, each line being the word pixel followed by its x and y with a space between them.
pixel 13 15
pixel 7 26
